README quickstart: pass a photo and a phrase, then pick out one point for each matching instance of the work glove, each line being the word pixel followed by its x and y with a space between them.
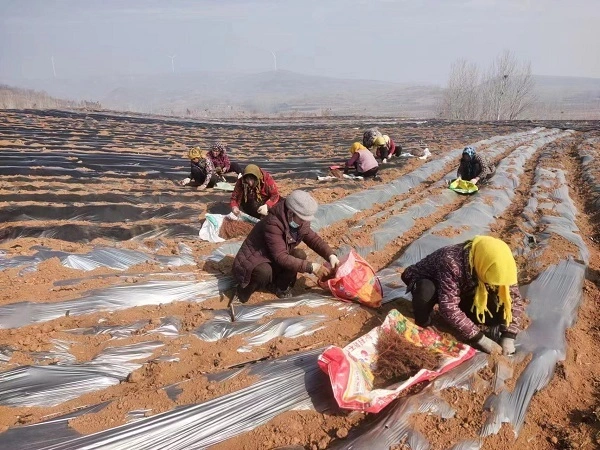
pixel 334 261
pixel 320 270
pixel 508 346
pixel 186 181
pixel 235 210
pixel 263 210
pixel 485 344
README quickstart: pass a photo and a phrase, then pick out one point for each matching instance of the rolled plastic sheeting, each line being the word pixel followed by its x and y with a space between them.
pixel 114 298
pixel 55 384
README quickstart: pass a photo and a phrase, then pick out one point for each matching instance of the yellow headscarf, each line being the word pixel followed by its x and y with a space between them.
pixel 495 266
pixel 196 152
pixel 356 147
pixel 379 141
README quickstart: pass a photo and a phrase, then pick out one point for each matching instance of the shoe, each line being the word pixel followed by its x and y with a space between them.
pixel 384 161
pixel 287 293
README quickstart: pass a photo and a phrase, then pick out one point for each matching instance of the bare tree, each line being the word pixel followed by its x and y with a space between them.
pixel 506 88
pixel 460 99
pixel 504 92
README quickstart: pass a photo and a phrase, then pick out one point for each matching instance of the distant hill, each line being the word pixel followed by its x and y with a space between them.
pixel 566 97
pixel 284 93
pixel 276 92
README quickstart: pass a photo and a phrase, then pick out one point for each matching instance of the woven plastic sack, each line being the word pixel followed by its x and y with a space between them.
pixel 350 368
pixel 463 187
pixel 355 281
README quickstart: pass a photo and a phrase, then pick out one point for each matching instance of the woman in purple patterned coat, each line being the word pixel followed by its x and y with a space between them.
pixel 473 284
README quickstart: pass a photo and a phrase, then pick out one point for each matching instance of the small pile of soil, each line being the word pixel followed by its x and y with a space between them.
pixel 398 360
pixel 235 228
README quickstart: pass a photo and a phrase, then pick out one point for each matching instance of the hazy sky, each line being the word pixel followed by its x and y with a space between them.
pixel 392 40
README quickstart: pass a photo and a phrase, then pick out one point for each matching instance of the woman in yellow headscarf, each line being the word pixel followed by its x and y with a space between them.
pixel 474 285
pixel 362 160
pixel 202 170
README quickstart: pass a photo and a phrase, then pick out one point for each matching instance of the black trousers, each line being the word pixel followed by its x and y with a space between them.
pixel 369 173
pixel 425 297
pixel 199 176
pixel 236 167
pixel 267 274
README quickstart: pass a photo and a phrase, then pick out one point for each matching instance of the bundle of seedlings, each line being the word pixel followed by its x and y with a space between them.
pixel 231 229
pixel 398 359
pixel 336 173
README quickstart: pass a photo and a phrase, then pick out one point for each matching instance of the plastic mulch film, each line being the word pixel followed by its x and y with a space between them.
pixel 55 384
pixel 293 382
pixel 249 316
pixel 113 258
pixel 359 201
pixel 588 152
pixel 53 431
pixel 398 224
pixel 550 196
pixel 554 300
pixel 115 331
pixel 114 298
pixel 261 333
pixel 352 204
pixel 478 214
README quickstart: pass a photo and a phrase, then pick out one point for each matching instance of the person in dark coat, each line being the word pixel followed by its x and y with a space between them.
pixel 473 284
pixel 474 167
pixel 269 256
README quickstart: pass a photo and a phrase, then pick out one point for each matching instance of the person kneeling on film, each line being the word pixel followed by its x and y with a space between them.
pixel 475 287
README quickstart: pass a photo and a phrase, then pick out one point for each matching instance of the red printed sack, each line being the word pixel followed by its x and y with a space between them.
pixel 355 281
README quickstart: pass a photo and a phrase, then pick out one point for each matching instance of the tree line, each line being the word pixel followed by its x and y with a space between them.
pixel 503 92
pixel 18 98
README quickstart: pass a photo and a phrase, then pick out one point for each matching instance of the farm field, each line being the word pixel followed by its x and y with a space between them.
pixel 114 326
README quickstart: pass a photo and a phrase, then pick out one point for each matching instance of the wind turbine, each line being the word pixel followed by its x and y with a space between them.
pixel 173 63
pixel 53 68
pixel 274 59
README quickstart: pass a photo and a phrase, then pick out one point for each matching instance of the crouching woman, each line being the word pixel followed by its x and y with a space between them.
pixel 269 257
pixel 474 285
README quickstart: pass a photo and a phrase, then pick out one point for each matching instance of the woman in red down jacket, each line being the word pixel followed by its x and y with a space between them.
pixel 254 193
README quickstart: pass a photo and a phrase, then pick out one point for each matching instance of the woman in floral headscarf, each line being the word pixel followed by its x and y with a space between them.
pixel 474 284
pixel 220 159
pixel 474 167
pixel 254 193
